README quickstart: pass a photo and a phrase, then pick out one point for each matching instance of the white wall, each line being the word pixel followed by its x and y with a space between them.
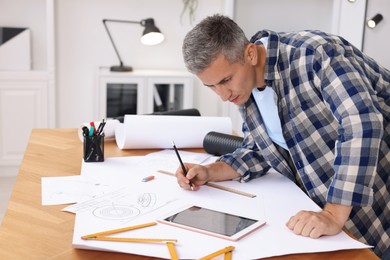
pixel 283 15
pixel 31 14
pixel 376 40
pixel 83 45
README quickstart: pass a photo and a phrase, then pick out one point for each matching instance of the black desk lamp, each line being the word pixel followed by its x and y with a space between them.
pixel 150 36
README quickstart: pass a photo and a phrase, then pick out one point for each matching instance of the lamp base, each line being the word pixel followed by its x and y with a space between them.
pixel 121 68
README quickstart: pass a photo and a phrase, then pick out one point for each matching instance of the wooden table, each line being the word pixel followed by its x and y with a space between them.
pixel 32 231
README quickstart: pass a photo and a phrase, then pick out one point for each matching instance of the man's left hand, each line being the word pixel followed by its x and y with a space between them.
pixel 329 221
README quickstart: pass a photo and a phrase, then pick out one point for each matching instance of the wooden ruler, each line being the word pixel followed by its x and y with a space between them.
pixel 217 186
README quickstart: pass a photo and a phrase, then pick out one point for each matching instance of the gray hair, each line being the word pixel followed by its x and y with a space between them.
pixel 213 36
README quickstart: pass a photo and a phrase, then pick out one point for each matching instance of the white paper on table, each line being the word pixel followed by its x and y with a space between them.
pixel 277 199
pixel 148 131
pixel 121 206
pixel 117 172
pixel 108 130
pixel 186 156
pixel 70 189
pixel 88 222
pixel 167 159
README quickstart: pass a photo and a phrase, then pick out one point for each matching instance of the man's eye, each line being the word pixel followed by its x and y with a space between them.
pixel 225 81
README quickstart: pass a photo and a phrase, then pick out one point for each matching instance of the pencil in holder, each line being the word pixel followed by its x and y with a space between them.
pixel 94 148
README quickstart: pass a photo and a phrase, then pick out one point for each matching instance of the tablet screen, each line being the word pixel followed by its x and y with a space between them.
pixel 210 220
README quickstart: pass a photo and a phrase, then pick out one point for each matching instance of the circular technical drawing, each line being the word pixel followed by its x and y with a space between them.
pixel 147 200
pixel 116 212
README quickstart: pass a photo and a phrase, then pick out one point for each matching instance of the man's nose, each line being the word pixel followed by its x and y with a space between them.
pixel 222 92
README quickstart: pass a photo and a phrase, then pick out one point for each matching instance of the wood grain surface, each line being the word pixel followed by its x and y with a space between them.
pixel 32 231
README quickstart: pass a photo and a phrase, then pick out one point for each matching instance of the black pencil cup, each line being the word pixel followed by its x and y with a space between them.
pixel 94 148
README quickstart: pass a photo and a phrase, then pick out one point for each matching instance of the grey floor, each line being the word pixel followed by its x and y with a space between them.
pixel 6 186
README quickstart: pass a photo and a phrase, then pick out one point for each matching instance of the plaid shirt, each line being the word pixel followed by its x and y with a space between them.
pixel 334 107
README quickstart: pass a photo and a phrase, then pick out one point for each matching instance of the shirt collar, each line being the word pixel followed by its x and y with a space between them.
pixel 271 71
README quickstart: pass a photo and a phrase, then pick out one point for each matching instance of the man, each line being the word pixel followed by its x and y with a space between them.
pixel 315 109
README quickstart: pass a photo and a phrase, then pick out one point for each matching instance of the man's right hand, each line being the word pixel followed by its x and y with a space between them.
pixel 201 174
pixel 196 174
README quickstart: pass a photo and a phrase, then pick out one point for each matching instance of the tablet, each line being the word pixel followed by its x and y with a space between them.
pixel 212 222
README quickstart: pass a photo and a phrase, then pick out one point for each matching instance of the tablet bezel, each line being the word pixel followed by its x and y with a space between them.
pixel 237 236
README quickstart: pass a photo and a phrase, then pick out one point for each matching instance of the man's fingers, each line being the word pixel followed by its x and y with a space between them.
pixel 312 224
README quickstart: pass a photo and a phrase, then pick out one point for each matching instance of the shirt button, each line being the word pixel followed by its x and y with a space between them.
pixel 298 165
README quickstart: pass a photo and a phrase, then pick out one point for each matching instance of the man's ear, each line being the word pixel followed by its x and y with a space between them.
pixel 251 53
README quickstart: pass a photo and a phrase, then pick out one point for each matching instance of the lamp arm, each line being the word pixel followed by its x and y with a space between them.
pixel 121 21
pixel 109 34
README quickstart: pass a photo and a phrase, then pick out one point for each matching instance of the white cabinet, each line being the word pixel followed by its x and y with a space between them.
pixel 24 105
pixel 143 92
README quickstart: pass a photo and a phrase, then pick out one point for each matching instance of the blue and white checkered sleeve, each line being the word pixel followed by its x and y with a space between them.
pixel 247 160
pixel 352 100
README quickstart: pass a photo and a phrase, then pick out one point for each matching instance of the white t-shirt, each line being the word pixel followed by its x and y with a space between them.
pixel 265 101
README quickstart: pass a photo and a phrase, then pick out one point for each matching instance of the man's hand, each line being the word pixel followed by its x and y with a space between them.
pixel 197 174
pixel 201 174
pixel 329 221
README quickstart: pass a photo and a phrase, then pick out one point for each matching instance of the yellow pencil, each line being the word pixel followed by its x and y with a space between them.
pixel 114 231
pixel 228 255
pixel 226 250
pixel 172 251
pixel 217 186
pixel 136 240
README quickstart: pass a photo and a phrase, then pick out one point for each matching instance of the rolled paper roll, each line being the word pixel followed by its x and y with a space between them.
pixel 149 131
pixel 220 143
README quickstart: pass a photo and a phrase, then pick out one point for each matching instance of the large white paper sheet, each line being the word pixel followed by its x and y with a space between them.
pixel 61 190
pixel 116 172
pixel 168 161
pixel 122 206
pixel 147 131
pixel 191 245
pixel 277 200
pixel 71 189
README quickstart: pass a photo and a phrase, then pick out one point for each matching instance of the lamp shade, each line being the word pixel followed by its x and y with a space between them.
pixel 151 34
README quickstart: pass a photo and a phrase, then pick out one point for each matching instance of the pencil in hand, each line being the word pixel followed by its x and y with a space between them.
pixel 181 164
